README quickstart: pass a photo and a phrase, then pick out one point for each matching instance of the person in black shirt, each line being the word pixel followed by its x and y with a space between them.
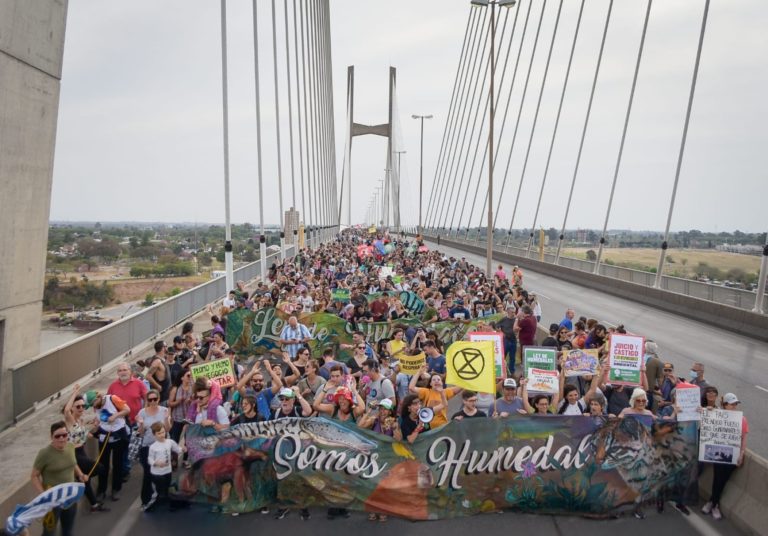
pixel 469 409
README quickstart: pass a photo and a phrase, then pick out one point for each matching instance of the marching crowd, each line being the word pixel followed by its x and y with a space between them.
pixel 143 415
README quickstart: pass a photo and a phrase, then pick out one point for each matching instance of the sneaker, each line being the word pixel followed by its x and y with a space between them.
pixel 707 508
pixel 264 510
pixel 148 506
pixel 305 514
pixel 99 507
pixel 683 509
pixel 639 514
pixel 281 513
pixel 716 513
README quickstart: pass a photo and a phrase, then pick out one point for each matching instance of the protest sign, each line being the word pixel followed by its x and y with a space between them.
pixel 552 465
pixel 543 381
pixel 220 370
pixel 410 364
pixel 542 358
pixel 688 399
pixel 720 436
pixel 385 271
pixel 498 348
pixel 340 294
pixel 470 365
pixel 626 359
pixel 580 362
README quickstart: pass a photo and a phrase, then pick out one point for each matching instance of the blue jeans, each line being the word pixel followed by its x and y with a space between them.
pixel 510 349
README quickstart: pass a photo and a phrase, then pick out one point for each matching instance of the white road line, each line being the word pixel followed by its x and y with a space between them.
pixel 762 388
pixel 701 526
pixel 539 294
pixel 125 524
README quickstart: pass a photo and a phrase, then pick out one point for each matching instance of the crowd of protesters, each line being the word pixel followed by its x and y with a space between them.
pixel 143 415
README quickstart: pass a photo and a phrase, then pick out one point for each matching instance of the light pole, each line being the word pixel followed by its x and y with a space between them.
pixel 421 165
pixel 492 111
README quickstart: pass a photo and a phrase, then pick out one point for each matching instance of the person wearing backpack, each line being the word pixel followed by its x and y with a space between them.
pixel 570 403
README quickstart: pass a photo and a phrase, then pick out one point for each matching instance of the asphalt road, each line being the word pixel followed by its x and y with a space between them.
pixel 126 519
pixel 733 363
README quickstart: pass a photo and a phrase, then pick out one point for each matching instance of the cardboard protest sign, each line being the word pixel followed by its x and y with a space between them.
pixel 720 436
pixel 542 358
pixel 688 399
pixel 410 364
pixel 340 294
pixel 220 370
pixel 498 348
pixel 580 362
pixel 543 381
pixel 626 359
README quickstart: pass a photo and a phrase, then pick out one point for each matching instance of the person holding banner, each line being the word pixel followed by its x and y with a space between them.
pixel 721 472
pixel 541 404
pixel 56 464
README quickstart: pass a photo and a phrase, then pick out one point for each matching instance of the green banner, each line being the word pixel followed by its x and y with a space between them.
pixel 256 333
pixel 340 294
pixel 555 464
pixel 410 300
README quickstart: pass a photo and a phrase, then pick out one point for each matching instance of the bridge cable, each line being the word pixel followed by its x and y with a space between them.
pixel 290 111
pixel 298 117
pixel 583 134
pixel 623 135
pixel 519 113
pixel 484 116
pixel 660 267
pixel 225 129
pixel 486 76
pixel 262 236
pixel 557 123
pixel 458 119
pixel 452 119
pixel 277 132
pixel 504 119
pixel 451 102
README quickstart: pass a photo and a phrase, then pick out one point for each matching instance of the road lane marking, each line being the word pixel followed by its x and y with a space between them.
pixel 762 388
pixel 700 525
pixel 125 524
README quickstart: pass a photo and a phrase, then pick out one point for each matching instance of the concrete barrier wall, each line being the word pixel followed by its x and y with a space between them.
pixel 745 500
pixel 737 320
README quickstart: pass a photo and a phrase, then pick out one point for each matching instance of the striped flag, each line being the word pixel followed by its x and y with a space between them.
pixel 61 496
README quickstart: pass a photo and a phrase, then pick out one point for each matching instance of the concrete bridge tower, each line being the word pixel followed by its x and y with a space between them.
pixel 31 52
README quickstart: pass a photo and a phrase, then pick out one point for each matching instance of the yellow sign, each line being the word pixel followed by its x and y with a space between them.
pixel 471 365
pixel 372 229
pixel 220 370
pixel 410 364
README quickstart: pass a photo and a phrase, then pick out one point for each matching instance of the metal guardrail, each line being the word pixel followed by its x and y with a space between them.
pixel 45 375
pixel 734 297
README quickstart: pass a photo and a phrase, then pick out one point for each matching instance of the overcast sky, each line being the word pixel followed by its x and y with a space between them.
pixel 140 121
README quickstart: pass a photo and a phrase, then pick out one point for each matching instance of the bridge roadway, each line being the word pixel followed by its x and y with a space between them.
pixel 732 363
pixel 126 519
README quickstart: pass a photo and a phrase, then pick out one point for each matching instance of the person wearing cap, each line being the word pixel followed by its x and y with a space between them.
pixel 380 417
pixel 509 403
pixel 288 408
pixel 721 472
pixel 346 405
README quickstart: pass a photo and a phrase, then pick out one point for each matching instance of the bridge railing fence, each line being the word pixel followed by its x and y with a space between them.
pixel 735 297
pixel 43 376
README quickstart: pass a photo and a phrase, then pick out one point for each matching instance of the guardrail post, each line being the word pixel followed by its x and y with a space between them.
pixel 760 297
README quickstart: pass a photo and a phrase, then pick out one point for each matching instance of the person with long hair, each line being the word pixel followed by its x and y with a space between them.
pixel 80 429
pixel 179 401
pixel 410 424
pixel 151 413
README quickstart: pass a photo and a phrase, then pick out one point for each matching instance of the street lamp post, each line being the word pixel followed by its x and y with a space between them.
pixel 421 166
pixel 492 111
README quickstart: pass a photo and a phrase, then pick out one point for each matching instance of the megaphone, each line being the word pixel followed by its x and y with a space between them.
pixel 426 415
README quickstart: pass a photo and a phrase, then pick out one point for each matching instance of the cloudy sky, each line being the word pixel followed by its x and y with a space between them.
pixel 140 121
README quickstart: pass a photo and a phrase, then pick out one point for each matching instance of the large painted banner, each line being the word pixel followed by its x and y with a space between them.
pixel 256 333
pixel 551 464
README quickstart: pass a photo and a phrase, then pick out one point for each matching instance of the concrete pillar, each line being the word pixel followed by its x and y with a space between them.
pixel 31 52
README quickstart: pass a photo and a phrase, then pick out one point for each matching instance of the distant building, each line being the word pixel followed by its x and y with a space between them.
pixel 291 224
pixel 581 235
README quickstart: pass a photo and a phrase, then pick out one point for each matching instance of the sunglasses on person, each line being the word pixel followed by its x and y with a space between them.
pixel 79 406
pixel 153 399
pixel 201 397
pixel 361 347
pixel 61 436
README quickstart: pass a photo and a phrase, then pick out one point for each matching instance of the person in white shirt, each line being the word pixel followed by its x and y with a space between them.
pixel 159 458
pixel 307 303
pixel 230 302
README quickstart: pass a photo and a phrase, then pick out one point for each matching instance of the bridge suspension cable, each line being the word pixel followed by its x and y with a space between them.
pixel 623 135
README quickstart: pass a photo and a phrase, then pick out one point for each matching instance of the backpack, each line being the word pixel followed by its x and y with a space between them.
pixel 564 406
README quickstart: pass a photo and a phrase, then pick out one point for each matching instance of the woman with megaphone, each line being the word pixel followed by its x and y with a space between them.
pixel 414 419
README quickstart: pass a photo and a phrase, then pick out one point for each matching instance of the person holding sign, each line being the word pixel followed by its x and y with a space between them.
pixel 721 472
pixel 570 403
pixel 541 406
